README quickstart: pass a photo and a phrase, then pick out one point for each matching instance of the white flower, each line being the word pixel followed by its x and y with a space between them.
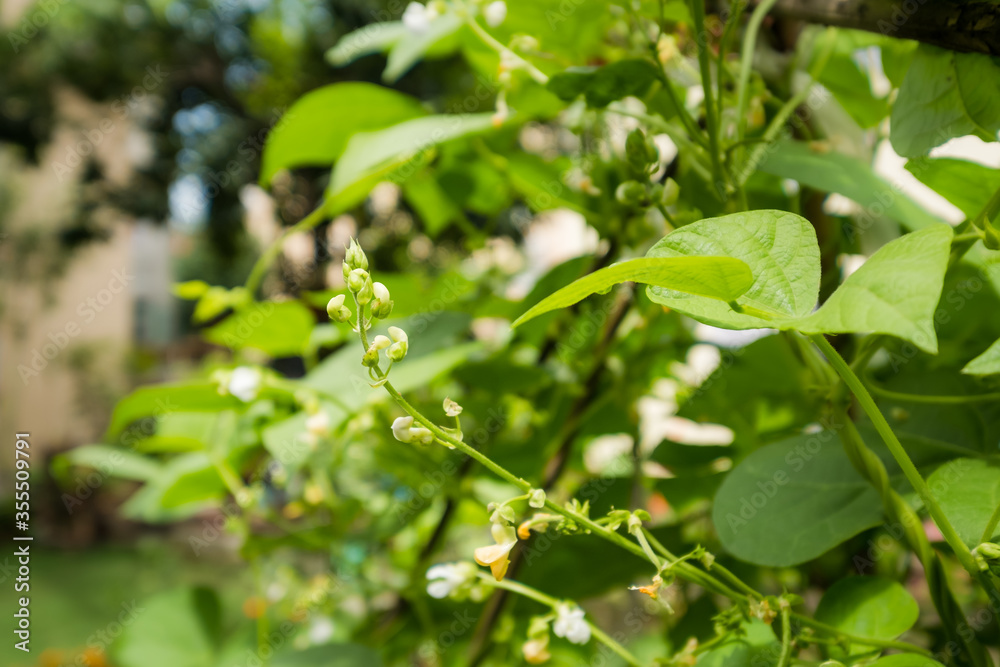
pixel 570 624
pixel 451 408
pixel 417 18
pixel 401 429
pixel 321 630
pixel 443 579
pixel 398 335
pixel 318 424
pixel 381 342
pixel 244 383
pixel 495 13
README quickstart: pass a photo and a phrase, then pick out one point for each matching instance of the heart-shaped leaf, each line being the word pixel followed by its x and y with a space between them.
pixel 870 607
pixel 722 278
pixel 968 491
pixel 987 363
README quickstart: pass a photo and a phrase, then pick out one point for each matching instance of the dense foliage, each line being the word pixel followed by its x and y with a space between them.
pixel 646 484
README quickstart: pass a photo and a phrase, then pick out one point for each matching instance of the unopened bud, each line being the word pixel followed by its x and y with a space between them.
pixel 401 429
pixel 336 309
pixel 371 357
pixel 381 303
pixel 631 193
pixel 380 343
pixel 356 280
pixel 355 256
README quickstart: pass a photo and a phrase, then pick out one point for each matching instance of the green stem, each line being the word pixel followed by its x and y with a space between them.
pixel 991 525
pixel 928 398
pixel 746 65
pixel 491 41
pixel 553 603
pixel 854 639
pixel 272 251
pixel 898 452
pixel 786 637
pixel 711 119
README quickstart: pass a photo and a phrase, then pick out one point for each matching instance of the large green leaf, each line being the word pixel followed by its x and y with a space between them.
pixel 906 660
pixel 114 462
pixel 374 156
pixel 792 501
pixel 410 47
pixel 780 249
pixel 315 130
pixel 965 184
pixel 373 38
pixel 830 171
pixel 279 329
pixel 895 292
pixel 945 94
pixel 722 278
pixel 968 491
pixel 169 632
pixel 870 607
pixel 164 399
pixel 602 85
pixel 987 363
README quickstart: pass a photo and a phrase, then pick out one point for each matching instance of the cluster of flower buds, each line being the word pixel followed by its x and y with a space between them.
pixel 642 155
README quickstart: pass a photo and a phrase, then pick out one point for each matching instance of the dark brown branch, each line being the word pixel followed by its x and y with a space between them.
pixel 959 25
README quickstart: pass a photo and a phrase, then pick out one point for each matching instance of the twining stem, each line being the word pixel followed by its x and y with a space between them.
pixel 929 398
pixel 786 637
pixel 711 118
pixel 271 253
pixel 854 639
pixel 913 475
pixel 551 602
pixel 991 526
pixel 746 65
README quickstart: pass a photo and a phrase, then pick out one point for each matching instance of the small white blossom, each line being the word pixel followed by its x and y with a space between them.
pixel 318 424
pixel 244 383
pixel 381 342
pixel 570 624
pixel 445 578
pixel 417 18
pixel 451 408
pixel 495 13
pixel 401 429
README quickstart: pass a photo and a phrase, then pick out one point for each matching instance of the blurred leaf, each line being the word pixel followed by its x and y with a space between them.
pixel 711 277
pixel 316 129
pixel 188 479
pixel 168 633
pixel 410 47
pixel 179 432
pixel 895 292
pixel 965 184
pixel 372 38
pixel 850 84
pixel 968 491
pixel 602 85
pixel 114 462
pixel 328 655
pixel 870 607
pixel 830 171
pixel 945 94
pixel 279 329
pixel 792 501
pixel 432 204
pixel 286 439
pixel 987 363
pixel 906 660
pixel 780 249
pixel 373 156
pixel 758 647
pixel 164 399
pixel 190 290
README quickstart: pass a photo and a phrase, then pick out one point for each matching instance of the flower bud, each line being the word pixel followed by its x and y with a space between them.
pixel 381 303
pixel 640 152
pixel 336 309
pixel 397 351
pixel 397 335
pixel 631 193
pixel 421 435
pixel 356 280
pixel 355 256
pixel 371 357
pixel 991 238
pixel 380 343
pixel 537 498
pixel 401 429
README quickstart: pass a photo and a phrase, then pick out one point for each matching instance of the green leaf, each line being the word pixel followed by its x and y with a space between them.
pixel 965 184
pixel 711 277
pixel 780 249
pixel 279 329
pixel 371 157
pixel 906 660
pixel 848 82
pixel 602 85
pixel 286 441
pixel 167 633
pixel 830 171
pixel 410 47
pixel 431 203
pixel 373 38
pixel 792 501
pixel 160 400
pixel 180 432
pixel 187 479
pixel 114 462
pixel 987 363
pixel 316 129
pixel 968 491
pixel 869 607
pixel 328 655
pixel 758 647
pixel 945 94
pixel 895 292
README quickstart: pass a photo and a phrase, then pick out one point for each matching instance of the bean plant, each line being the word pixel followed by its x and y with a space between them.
pixel 461 465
